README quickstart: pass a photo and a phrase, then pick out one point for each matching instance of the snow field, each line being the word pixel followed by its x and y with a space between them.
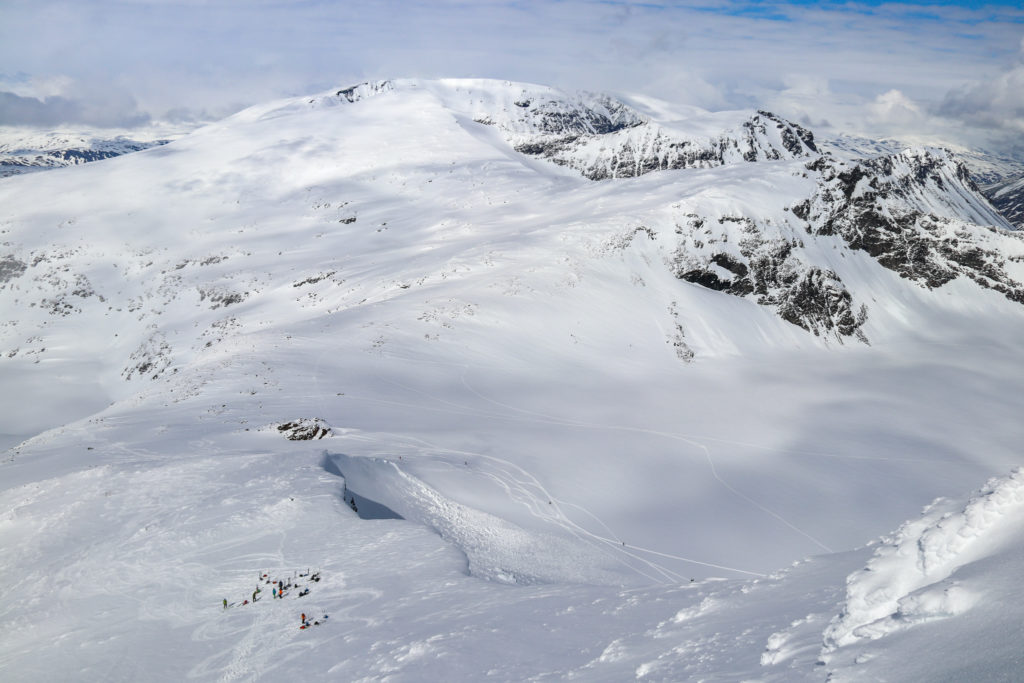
pixel 494 344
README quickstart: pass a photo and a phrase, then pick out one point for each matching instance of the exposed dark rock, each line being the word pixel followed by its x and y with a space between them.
pixel 678 338
pixel 818 302
pixel 887 207
pixel 619 143
pixel 304 429
pixel 364 90
pixel 772 271
pixel 313 279
pixel 706 278
pixel 152 358
pixel 219 297
pixel 11 267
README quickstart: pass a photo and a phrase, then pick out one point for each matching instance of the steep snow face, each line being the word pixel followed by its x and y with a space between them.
pixel 1008 197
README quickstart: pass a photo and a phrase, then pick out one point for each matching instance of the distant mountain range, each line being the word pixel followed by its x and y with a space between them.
pixel 1000 178
pixel 623 139
pixel 25 151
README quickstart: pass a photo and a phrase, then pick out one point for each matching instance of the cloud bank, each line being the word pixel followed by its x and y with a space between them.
pixel 871 68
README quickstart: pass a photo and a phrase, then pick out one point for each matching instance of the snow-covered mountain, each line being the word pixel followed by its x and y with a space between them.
pixel 986 167
pixel 545 386
pixel 25 151
pixel 1000 178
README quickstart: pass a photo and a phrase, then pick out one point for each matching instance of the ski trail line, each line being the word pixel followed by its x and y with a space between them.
pixel 565 522
pixel 669 435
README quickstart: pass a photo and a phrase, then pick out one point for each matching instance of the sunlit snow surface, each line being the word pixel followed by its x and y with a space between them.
pixel 493 343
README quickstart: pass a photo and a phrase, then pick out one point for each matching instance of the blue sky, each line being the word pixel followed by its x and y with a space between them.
pixel 927 68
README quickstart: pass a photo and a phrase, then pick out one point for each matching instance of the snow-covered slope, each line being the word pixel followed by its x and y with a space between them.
pixel 1008 197
pixel 552 400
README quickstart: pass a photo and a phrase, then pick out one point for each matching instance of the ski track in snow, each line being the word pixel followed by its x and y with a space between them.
pixel 532 416
pixel 536 501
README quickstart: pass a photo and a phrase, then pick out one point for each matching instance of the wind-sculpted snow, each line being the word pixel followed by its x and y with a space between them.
pixel 923 572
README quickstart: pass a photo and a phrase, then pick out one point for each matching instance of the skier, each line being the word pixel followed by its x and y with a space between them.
pixel 254 596
pixel 225 603
pixel 275 593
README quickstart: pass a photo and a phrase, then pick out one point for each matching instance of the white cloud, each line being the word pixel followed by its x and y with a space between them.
pixel 60 100
pixel 832 64
pixel 895 110
pixel 997 103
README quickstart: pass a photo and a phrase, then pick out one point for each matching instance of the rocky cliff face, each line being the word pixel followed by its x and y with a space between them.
pixel 626 151
pixel 755 259
pixel 917 213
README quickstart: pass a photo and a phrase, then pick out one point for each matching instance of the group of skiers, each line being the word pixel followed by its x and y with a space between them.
pixel 305 623
pixel 279 587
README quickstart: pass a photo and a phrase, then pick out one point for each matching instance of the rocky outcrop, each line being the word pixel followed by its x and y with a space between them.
pixel 633 150
pixel 917 213
pixel 304 429
pixel 766 265
pixel 11 268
